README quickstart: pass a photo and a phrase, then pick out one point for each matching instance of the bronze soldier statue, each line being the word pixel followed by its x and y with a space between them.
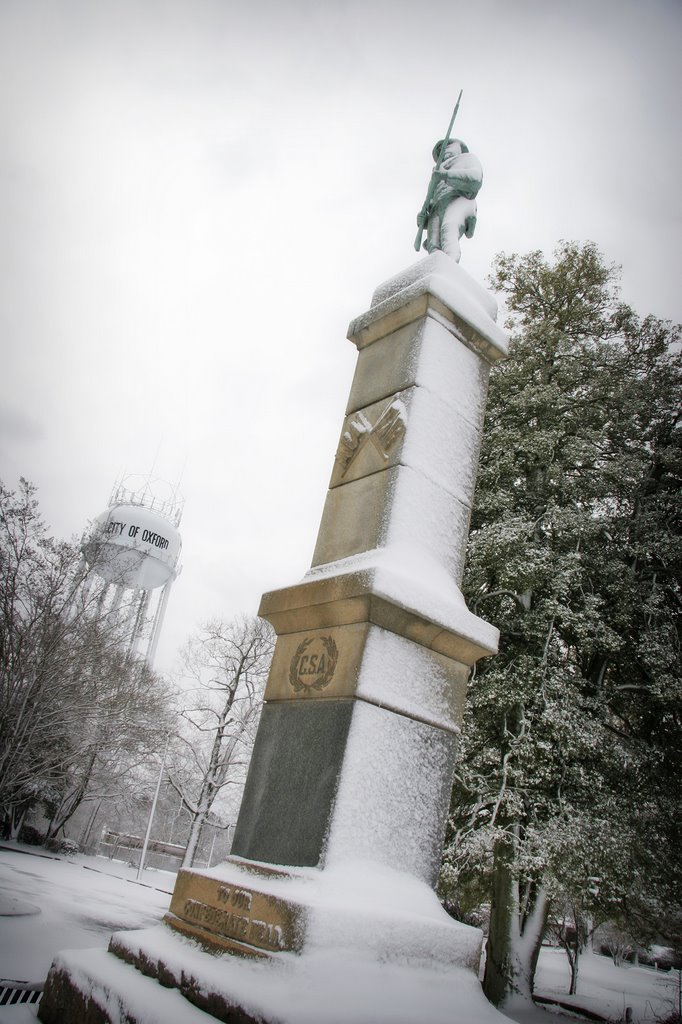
pixel 449 210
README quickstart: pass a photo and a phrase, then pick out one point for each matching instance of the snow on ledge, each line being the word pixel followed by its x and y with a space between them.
pixel 365 908
pixel 441 277
pixel 406 576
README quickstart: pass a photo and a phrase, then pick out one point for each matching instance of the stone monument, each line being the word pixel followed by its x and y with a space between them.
pixel 329 885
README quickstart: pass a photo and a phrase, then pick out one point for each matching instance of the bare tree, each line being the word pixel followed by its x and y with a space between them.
pixel 617 942
pixel 114 738
pixel 227 663
pixel 572 929
pixel 72 707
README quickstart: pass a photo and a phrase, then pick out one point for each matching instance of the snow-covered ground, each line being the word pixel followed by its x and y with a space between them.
pixel 81 900
pixel 603 989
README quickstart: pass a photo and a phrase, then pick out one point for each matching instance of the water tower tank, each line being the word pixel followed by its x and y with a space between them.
pixel 134 546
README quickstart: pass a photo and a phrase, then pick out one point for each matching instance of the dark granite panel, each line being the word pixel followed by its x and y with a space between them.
pixel 292 781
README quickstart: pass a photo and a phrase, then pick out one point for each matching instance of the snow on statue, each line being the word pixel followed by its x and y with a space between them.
pixel 449 210
pixel 452 212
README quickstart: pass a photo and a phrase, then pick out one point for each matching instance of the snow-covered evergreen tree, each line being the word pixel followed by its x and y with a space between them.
pixel 573 742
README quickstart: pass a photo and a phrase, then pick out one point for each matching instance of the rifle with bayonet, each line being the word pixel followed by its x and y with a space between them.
pixel 423 214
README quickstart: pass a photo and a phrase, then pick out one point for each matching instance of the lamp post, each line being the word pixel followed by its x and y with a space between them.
pixel 148 833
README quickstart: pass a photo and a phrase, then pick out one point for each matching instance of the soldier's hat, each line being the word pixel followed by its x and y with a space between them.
pixel 436 149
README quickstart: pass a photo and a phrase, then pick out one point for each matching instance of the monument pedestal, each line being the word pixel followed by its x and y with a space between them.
pixel 340 832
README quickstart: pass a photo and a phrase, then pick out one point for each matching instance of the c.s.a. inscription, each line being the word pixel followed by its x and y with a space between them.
pixel 313 664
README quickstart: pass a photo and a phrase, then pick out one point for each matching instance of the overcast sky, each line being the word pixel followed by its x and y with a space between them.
pixel 197 196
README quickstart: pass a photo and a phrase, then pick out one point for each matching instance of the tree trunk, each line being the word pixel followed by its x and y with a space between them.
pixel 193 839
pixel 17 816
pixel 498 971
pixel 571 948
pixel 515 936
pixel 86 832
pixel 574 973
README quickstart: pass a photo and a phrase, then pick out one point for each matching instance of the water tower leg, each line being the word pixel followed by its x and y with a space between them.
pixel 157 624
pixel 139 621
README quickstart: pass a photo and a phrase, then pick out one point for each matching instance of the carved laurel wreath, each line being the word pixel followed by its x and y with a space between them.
pixel 332 652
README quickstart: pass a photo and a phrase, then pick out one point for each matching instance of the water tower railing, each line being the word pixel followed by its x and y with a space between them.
pixel 170 508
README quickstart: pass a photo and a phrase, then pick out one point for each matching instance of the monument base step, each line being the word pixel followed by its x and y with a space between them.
pixel 175 982
pixel 367 909
pixel 92 986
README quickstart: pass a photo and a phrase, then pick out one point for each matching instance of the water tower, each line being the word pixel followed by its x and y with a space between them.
pixel 134 549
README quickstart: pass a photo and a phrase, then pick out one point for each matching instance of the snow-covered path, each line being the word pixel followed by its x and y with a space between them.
pixel 83 900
